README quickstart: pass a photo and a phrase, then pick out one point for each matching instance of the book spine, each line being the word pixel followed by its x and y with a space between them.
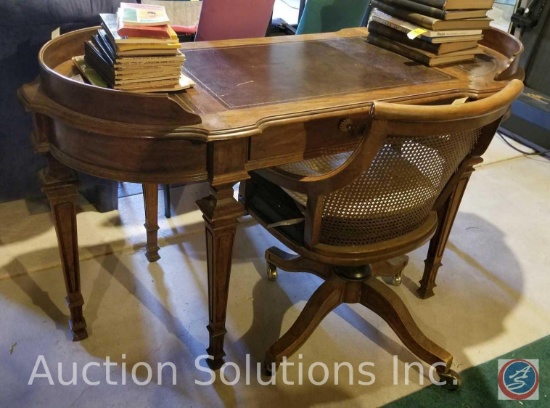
pixel 451 33
pixel 110 25
pixel 148 32
pixel 109 37
pixel 399 36
pixel 417 8
pixel 104 38
pixel 458 4
pixel 393 47
pixel 418 19
pixel 389 24
pixel 406 27
pixel 100 47
pixel 99 64
pixel 440 4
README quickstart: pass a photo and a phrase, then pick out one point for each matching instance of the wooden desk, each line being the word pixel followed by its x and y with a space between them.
pixel 257 103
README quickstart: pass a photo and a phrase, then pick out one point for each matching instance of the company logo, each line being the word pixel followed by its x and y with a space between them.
pixel 518 379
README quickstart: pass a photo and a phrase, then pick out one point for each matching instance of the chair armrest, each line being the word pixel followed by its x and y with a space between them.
pixel 290 176
pixel 336 177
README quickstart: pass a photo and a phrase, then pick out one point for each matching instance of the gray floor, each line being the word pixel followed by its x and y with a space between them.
pixel 491 298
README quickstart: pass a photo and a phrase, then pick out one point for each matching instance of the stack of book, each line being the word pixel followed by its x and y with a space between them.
pixel 135 50
pixel 432 32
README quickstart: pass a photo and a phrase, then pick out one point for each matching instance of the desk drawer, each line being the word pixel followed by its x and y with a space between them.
pixel 297 141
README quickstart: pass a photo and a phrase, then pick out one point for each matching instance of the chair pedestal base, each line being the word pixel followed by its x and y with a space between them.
pixel 371 293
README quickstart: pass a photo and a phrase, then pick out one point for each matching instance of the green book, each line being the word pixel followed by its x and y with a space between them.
pixel 88 72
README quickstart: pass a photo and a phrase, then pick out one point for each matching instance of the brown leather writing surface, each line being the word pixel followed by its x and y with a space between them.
pixel 244 76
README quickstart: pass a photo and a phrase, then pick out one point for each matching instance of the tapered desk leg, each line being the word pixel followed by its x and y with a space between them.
pixel 60 186
pixel 151 202
pixel 446 217
pixel 220 212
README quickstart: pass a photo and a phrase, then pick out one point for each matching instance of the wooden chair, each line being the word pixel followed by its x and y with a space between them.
pixel 352 216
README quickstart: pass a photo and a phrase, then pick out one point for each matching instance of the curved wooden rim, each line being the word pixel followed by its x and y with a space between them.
pixel 496 102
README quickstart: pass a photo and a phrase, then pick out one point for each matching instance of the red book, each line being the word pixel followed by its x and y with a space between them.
pixel 161 31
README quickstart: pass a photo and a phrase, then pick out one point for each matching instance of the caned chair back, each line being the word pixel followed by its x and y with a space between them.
pixel 408 159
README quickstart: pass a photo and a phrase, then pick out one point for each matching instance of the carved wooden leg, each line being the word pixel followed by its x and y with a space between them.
pixel 150 198
pixel 60 186
pixel 328 296
pixel 295 263
pixel 446 217
pixel 220 212
pixel 386 303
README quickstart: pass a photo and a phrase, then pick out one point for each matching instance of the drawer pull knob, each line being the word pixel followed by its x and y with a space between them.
pixel 345 125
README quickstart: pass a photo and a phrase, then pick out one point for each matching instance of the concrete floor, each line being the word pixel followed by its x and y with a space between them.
pixel 491 298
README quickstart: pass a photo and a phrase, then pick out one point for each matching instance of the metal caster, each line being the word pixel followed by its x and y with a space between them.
pixel 269 369
pixel 397 279
pixel 452 380
pixel 271 272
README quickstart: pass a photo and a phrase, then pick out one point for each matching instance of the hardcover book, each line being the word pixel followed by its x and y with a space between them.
pixel 128 66
pixel 428 35
pixel 432 23
pixel 153 60
pixel 401 37
pixel 110 25
pixel 105 51
pixel 88 72
pixel 95 59
pixel 436 12
pixel 131 72
pixel 123 50
pixel 159 31
pixel 415 54
pixel 183 83
pixel 148 52
pixel 143 14
pixel 458 4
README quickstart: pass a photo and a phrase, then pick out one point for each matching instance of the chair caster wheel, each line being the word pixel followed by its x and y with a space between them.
pixel 269 369
pixel 271 272
pixel 397 279
pixel 452 380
